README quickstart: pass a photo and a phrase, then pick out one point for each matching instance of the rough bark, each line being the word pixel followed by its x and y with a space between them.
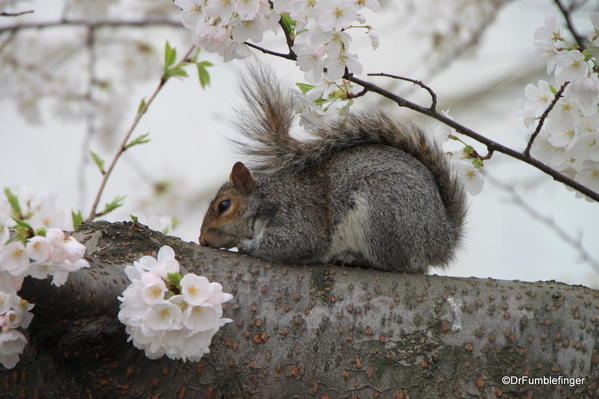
pixel 309 332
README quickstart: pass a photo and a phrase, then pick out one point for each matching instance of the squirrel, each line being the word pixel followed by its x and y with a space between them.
pixel 363 191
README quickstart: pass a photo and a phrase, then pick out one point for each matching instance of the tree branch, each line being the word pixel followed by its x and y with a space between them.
pixel 492 146
pixel 567 14
pixel 433 106
pixel 320 330
pixel 556 98
pixel 15 14
pixel 123 147
pixel 91 24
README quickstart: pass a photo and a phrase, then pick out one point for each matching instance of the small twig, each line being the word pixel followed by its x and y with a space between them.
pixel 123 147
pixel 351 96
pixel 92 24
pixel 15 14
pixel 89 117
pixel 567 13
pixel 289 56
pixel 433 106
pixel 558 95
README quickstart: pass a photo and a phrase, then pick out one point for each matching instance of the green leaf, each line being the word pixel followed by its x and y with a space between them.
pixel 143 139
pixel 77 218
pixel 21 224
pixel 13 201
pixel 469 150
pixel 288 24
pixel 98 161
pixel 477 163
pixel 553 90
pixel 305 87
pixel 177 71
pixel 40 232
pixel 170 55
pixel 203 74
pixel 111 206
pixel 134 219
pixel 174 279
pixel 142 106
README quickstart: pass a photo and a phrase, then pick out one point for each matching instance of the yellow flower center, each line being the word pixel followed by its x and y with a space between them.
pixel 164 313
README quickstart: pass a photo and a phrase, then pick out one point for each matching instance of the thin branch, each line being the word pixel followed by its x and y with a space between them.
pixel 15 14
pixel 556 98
pixel 289 56
pixel 416 82
pixel 492 146
pixel 519 201
pixel 92 24
pixel 351 96
pixel 567 13
pixel 123 147
pixel 90 115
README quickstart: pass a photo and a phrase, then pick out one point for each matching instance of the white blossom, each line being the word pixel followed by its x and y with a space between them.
pixel 14 259
pixel 571 67
pixel 336 14
pixel 195 289
pixel 180 327
pixel 222 9
pixel 163 316
pixel 539 97
pixel 12 343
pixel 470 176
pixel 248 9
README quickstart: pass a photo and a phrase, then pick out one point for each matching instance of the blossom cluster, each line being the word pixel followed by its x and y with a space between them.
pixel 464 159
pixel 322 40
pixel 569 139
pixel 166 314
pixel 14 314
pixel 32 243
pixel 321 32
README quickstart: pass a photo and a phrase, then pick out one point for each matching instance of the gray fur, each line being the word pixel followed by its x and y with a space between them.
pixel 365 191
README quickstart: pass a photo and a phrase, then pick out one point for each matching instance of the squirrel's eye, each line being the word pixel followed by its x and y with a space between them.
pixel 224 205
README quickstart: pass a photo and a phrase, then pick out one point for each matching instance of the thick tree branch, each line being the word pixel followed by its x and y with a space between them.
pixel 309 332
pixel 91 24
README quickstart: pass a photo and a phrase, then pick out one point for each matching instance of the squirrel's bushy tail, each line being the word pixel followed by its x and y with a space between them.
pixel 266 122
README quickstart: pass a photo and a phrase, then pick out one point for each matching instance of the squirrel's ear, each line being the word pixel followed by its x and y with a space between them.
pixel 241 178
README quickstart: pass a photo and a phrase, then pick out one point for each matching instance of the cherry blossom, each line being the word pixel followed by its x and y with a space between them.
pixel 165 314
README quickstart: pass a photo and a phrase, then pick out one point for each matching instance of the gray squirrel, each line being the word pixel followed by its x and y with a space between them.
pixel 364 191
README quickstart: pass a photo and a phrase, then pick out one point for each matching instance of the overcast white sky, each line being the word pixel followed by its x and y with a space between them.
pixel 188 127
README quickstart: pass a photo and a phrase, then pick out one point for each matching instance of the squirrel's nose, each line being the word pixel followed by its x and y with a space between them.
pixel 202 240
